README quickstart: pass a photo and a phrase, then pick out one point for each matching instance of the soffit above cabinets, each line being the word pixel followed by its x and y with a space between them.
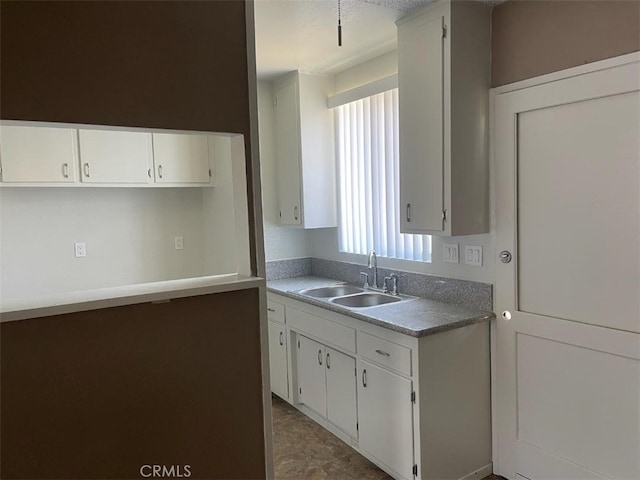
pixel 302 34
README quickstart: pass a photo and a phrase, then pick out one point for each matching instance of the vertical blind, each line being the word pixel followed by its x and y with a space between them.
pixel 369 180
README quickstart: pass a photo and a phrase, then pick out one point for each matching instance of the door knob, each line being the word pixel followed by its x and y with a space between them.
pixel 505 256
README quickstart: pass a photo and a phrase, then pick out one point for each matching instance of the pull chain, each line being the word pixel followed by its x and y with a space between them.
pixel 339 26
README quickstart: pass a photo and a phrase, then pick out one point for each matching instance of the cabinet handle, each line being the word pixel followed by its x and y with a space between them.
pixel 328 360
pixel 409 212
pixel 271 310
pixel 65 170
pixel 320 357
pixel 364 378
pixel 149 173
pixel 160 171
pixel 281 340
pixel 295 213
pixel 382 352
pixel 86 170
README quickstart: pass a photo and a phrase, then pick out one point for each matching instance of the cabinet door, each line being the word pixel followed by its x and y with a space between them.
pixel 312 388
pixel 421 96
pixel 288 145
pixel 38 154
pixel 385 414
pixel 181 158
pixel 278 360
pixel 341 391
pixel 115 157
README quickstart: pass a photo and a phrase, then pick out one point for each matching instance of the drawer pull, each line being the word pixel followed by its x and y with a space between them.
pixel 328 360
pixel 319 357
pixel 382 352
pixel 271 310
pixel 364 378
pixel 281 341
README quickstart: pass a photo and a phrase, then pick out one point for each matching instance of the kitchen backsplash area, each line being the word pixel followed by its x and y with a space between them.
pixel 476 295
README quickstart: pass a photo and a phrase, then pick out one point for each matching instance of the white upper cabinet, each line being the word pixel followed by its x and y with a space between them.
pixel 305 151
pixel 443 76
pixel 38 154
pixel 115 157
pixel 181 158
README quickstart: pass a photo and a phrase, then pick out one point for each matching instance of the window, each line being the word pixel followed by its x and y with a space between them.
pixel 369 183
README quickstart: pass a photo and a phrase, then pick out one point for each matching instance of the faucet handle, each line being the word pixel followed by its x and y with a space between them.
pixel 394 278
pixel 366 279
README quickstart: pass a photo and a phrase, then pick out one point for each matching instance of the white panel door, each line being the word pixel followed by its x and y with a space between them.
pixel 341 391
pixel 115 157
pixel 421 95
pixel 312 386
pixel 288 148
pixel 385 415
pixel 38 154
pixel 181 158
pixel 278 359
pixel 568 344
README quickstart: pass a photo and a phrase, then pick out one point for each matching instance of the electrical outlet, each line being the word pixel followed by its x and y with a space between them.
pixel 473 255
pixel 80 249
pixel 179 242
pixel 450 253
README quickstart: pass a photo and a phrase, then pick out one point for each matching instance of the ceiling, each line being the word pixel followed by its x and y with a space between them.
pixel 302 34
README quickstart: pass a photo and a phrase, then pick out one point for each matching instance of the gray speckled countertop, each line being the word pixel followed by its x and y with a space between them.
pixel 417 317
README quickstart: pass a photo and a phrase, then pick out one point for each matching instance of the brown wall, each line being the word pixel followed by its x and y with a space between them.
pixel 174 64
pixel 531 38
pixel 96 395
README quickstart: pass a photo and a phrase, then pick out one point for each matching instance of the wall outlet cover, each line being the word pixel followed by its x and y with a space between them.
pixel 80 249
pixel 450 253
pixel 473 255
pixel 179 242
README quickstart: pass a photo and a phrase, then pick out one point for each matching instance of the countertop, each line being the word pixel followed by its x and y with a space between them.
pixel 70 302
pixel 416 316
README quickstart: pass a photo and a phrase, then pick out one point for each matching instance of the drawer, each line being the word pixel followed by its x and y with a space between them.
pixel 385 353
pixel 275 311
pixel 326 331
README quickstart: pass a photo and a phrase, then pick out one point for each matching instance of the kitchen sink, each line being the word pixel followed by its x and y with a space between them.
pixel 365 299
pixel 328 292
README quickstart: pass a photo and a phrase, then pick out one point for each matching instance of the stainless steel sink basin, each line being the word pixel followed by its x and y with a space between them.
pixel 366 299
pixel 328 292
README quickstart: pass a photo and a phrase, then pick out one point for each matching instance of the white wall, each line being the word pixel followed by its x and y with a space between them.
pixel 280 242
pixel 129 235
pixel 366 72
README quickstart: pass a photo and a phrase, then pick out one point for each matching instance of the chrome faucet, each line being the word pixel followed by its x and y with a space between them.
pixel 372 264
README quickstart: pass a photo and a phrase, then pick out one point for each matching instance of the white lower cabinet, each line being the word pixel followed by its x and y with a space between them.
pixel 341 391
pixel 419 408
pixel 312 383
pixel 327 383
pixel 278 359
pixel 385 412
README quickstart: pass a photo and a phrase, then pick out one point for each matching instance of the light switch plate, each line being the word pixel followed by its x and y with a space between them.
pixel 450 253
pixel 473 255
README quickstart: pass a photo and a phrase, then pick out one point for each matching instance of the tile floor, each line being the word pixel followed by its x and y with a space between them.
pixel 303 450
